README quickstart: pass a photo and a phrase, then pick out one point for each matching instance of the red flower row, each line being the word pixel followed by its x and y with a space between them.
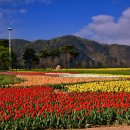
pixel 16 103
pixel 32 73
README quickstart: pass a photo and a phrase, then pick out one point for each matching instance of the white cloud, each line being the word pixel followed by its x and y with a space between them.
pixel 105 29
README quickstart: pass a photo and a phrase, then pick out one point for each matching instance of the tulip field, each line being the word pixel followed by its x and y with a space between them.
pixel 89 101
pixel 103 86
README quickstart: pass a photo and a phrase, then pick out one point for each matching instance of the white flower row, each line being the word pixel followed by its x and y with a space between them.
pixel 87 75
pixel 82 75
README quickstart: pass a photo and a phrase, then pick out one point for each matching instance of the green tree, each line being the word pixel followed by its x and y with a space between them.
pixel 70 52
pixel 30 57
pixel 4 43
pixel 43 54
pixel 52 54
pixel 4 57
pixel 14 60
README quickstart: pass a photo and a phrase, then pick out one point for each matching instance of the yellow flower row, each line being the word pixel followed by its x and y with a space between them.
pixel 104 86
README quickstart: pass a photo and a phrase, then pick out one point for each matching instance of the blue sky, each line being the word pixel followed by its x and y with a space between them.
pixel 106 21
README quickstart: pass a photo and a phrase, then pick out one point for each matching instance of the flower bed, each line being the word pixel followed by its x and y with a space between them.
pixel 40 107
pixel 87 75
pixel 105 86
pixel 33 80
pixel 30 73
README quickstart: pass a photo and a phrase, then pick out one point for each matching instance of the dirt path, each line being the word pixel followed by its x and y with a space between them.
pixel 109 128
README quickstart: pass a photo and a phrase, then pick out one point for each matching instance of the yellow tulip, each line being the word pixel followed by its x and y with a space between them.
pixel 105 86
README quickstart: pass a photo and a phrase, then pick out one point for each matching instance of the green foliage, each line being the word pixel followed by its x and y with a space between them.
pixel 30 57
pixel 67 48
pixel 14 60
pixel 6 80
pixel 70 52
pixel 62 86
pixel 54 52
pixel 4 42
pixel 4 57
pixel 73 120
pixel 43 53
pixel 51 52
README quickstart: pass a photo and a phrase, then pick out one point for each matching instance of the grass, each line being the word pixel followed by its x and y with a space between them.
pixel 32 70
pixel 114 71
pixel 7 79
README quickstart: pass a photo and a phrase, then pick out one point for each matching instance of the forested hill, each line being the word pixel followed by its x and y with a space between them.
pixel 91 53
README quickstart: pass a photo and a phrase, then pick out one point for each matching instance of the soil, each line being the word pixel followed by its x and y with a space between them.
pixel 109 128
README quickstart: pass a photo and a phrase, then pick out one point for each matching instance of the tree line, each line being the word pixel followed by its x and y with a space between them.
pixel 46 58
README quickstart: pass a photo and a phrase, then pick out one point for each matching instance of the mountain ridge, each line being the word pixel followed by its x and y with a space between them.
pixel 92 53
